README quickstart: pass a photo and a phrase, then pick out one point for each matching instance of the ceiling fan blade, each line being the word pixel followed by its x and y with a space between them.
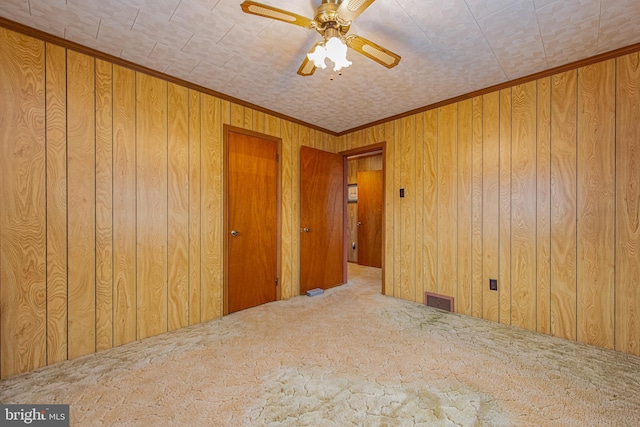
pixel 266 11
pixel 351 9
pixel 373 51
pixel 307 67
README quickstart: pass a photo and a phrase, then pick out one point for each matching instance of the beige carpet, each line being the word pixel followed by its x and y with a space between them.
pixel 348 357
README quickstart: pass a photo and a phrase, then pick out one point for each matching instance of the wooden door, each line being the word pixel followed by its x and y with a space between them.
pixel 252 197
pixel 322 219
pixel 370 189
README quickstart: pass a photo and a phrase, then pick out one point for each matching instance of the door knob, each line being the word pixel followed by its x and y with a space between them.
pixel 235 233
pixel 359 224
pixel 306 230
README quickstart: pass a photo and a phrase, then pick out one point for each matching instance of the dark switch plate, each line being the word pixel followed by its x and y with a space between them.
pixel 402 192
pixel 493 284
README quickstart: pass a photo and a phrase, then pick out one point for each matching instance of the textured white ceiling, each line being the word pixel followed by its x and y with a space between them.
pixel 448 47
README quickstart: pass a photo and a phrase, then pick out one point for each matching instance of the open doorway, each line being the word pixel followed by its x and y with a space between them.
pixel 364 227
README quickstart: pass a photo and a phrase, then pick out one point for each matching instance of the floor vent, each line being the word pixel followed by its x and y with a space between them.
pixel 441 302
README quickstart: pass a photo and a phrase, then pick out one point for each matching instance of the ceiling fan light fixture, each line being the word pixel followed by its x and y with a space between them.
pixel 318 56
pixel 337 52
pixel 335 49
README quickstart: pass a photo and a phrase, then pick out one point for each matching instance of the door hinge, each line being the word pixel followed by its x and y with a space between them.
pixel 276 281
pixel 277 158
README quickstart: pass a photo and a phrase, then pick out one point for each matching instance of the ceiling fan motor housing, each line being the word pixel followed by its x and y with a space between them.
pixel 326 17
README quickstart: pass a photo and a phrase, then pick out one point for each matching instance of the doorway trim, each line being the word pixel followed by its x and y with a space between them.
pixel 380 146
pixel 227 129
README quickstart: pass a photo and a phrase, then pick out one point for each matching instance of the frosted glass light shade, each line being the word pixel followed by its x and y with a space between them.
pixel 335 50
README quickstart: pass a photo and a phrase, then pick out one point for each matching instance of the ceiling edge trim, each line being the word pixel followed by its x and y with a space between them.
pixel 526 79
pixel 67 44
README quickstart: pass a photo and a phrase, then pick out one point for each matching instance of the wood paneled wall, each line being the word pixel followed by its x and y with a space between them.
pixel 537 186
pixel 370 163
pixel 111 203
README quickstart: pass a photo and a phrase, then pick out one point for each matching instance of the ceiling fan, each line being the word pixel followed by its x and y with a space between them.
pixel 332 20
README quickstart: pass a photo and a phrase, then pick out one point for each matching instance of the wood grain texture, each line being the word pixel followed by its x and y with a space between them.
pixel 504 279
pixel 81 173
pixel 544 206
pixel 295 209
pixel 322 212
pixel 389 192
pixel 523 207
pixel 273 126
pixel 104 205
pixel 476 210
pixel 259 122
pixel 211 158
pixel 369 215
pixel 56 140
pixel 248 118
pixel 627 304
pixel 287 230
pixel 237 115
pixel 490 204
pixel 596 204
pixel 124 206
pixel 563 204
pixel 397 206
pixel 406 135
pixel 447 200
pixel 195 191
pixel 252 204
pixel 178 207
pixel 419 206
pixel 151 187
pixel 430 202
pixel 23 286
pixel 465 182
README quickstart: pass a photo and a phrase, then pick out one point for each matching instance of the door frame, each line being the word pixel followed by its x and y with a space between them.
pixel 380 146
pixel 227 129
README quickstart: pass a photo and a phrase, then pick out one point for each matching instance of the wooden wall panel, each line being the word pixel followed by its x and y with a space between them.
pixel 465 182
pixel 523 207
pixel 419 205
pixel 59 126
pixel 490 203
pixel 259 122
pixel 286 165
pixel 447 200
pixel 104 205
pixel 396 141
pixel 124 206
pixel 211 218
pixel 56 140
pixel 178 207
pixel 627 280
pixel 406 135
pixel 295 208
pixel 123 172
pixel 596 204
pixel 237 115
pixel 563 204
pixel 151 170
pixel 389 194
pixel 23 266
pixel 81 172
pixel 476 210
pixel 504 279
pixel 544 206
pixel 195 192
pixel 274 125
